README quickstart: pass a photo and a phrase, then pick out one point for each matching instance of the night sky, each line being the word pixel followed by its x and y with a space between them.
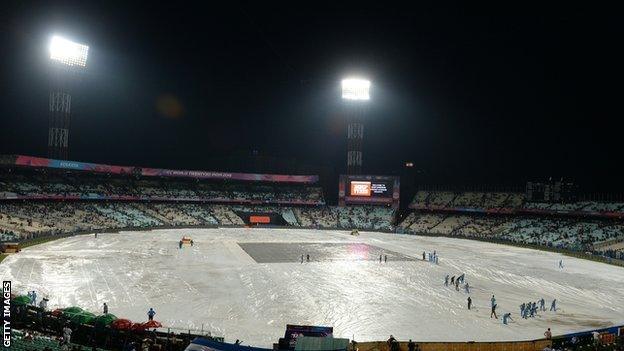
pixel 472 94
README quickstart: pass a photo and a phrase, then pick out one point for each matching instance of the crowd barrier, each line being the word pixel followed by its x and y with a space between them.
pixel 532 345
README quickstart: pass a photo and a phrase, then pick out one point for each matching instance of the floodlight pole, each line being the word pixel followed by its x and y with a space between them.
pixel 355 135
pixel 67 61
pixel 59 113
pixel 355 95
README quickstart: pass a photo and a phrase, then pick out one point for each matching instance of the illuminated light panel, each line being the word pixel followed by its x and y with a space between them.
pixel 355 89
pixel 68 52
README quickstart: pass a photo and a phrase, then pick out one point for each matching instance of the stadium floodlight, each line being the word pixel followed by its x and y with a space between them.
pixel 355 89
pixel 68 52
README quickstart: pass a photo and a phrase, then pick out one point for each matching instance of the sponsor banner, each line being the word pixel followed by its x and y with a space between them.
pixel 295 331
pixel 156 172
pixel 259 219
pixel 29 161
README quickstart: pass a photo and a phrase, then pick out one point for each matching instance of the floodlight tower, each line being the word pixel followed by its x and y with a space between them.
pixel 355 94
pixel 68 59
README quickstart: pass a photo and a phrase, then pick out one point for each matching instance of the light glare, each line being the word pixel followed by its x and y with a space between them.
pixel 355 89
pixel 68 52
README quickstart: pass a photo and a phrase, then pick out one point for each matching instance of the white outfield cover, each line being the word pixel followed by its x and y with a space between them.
pixel 216 285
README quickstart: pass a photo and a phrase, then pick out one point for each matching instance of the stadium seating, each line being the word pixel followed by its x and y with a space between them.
pixel 569 233
pixel 94 186
pixel 422 223
pixel 99 202
pixel 349 217
pixel 40 343
pixel 441 199
pixel 469 199
pixel 289 217
pixel 602 206
pixel 613 248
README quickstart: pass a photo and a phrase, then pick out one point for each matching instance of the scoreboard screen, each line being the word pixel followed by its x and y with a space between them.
pixel 368 189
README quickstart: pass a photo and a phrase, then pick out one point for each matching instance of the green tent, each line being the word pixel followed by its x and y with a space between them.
pixel 83 318
pixel 72 310
pixel 21 300
pixel 104 320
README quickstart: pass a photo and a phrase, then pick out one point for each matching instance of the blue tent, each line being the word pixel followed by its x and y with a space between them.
pixel 203 344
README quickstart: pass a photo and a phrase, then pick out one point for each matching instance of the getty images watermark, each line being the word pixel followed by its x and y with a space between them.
pixel 6 314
